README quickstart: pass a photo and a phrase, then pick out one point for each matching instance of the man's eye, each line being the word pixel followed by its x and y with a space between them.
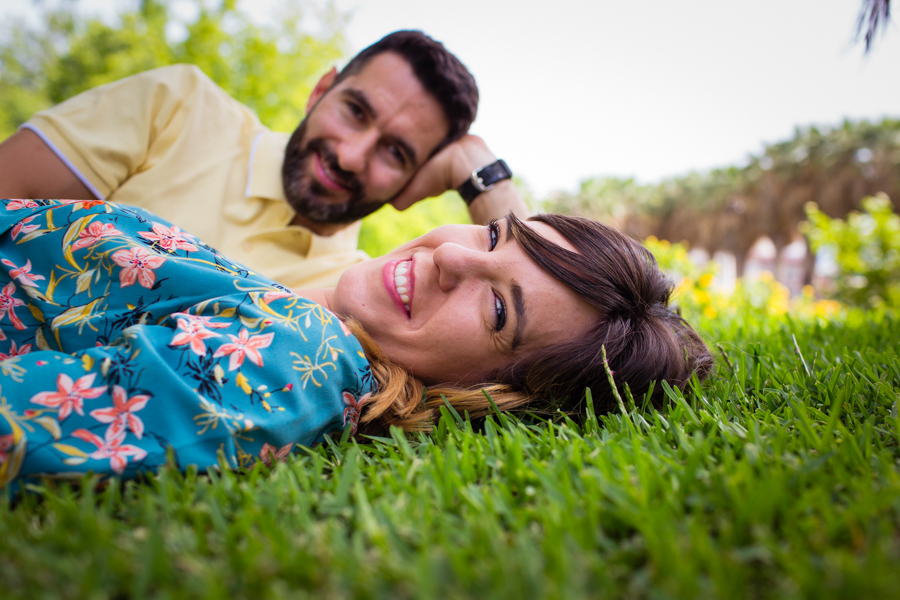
pixel 494 232
pixel 500 309
pixel 397 154
pixel 355 110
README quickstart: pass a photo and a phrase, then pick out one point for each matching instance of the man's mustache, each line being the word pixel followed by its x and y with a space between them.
pixel 330 160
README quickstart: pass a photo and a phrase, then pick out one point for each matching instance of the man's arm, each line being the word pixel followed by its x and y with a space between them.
pixel 30 169
pixel 449 168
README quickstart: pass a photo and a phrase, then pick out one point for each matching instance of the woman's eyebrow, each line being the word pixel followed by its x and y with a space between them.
pixel 519 305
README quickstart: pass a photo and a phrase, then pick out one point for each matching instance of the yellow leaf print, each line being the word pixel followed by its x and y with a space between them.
pixel 9 469
pixel 83 281
pixel 41 341
pixel 51 425
pixel 72 234
pixel 76 314
pixel 36 312
pixel 241 381
pixel 70 450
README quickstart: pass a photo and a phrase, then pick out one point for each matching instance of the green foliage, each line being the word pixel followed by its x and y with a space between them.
pixel 387 228
pixel 777 479
pixel 270 68
pixel 867 248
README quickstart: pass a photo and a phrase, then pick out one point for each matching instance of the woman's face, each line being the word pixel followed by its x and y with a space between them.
pixel 461 301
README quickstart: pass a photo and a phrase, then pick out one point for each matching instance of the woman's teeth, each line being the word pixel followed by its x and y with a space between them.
pixel 400 280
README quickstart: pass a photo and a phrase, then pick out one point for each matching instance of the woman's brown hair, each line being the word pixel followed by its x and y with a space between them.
pixel 645 340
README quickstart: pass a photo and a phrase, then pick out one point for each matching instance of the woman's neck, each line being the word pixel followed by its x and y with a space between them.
pixel 322 296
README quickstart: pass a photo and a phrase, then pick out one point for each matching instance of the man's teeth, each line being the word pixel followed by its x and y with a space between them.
pixel 400 280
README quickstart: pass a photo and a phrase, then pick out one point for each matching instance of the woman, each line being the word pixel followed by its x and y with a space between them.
pixel 124 339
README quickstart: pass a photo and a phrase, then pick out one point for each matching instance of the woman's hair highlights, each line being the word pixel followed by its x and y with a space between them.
pixel 644 339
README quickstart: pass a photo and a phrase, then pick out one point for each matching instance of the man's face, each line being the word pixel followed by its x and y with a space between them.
pixel 361 141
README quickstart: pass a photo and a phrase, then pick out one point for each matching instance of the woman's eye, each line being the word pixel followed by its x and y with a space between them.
pixel 494 232
pixel 500 309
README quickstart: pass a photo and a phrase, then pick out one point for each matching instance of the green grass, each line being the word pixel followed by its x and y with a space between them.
pixel 779 479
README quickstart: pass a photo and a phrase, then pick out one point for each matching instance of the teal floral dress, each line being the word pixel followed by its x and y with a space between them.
pixel 124 340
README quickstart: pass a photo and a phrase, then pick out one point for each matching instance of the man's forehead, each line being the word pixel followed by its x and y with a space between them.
pixel 390 86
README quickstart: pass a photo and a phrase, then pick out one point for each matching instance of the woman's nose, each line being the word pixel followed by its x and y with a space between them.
pixel 456 264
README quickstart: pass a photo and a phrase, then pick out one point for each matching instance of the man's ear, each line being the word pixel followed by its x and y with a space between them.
pixel 324 83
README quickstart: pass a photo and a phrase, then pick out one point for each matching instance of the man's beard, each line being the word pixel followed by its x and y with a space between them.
pixel 307 196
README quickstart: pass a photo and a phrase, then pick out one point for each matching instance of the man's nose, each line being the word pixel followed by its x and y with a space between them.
pixel 456 264
pixel 354 152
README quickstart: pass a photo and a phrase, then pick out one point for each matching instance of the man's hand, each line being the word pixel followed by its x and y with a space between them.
pixel 30 169
pixel 449 168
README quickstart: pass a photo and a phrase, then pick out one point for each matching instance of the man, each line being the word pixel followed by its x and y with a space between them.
pixel 391 127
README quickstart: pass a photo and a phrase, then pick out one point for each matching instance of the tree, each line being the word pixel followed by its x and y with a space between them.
pixel 270 68
pixel 873 15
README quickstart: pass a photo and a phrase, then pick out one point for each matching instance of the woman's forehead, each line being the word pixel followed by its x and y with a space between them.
pixel 551 235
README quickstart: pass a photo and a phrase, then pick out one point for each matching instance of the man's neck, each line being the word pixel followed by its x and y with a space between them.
pixel 324 229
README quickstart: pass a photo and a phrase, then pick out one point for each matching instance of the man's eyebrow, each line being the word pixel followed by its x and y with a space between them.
pixel 519 305
pixel 360 98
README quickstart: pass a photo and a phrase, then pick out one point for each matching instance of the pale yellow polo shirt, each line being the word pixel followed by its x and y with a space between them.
pixel 172 141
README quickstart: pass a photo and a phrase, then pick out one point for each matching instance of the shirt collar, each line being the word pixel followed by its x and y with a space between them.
pixel 266 157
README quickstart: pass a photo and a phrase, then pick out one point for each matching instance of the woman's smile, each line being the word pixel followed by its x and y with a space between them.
pixel 399 281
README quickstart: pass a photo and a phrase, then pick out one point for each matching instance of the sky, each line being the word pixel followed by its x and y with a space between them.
pixel 573 89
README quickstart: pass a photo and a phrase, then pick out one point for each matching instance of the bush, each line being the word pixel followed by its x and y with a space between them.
pixel 867 250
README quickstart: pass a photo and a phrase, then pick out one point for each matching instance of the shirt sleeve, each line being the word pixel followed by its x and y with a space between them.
pixel 106 134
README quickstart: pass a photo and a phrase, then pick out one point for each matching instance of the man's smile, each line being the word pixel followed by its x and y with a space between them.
pixel 326 176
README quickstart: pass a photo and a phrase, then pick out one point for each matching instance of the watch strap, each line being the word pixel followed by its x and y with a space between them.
pixel 483 179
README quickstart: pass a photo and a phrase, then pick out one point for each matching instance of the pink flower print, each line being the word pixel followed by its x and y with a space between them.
pixel 353 410
pixel 21 226
pixel 193 330
pixel 137 265
pixel 244 345
pixel 20 204
pixel 270 455
pixel 83 204
pixel 9 304
pixel 169 239
pixel 121 413
pixel 93 233
pixel 7 441
pixel 13 351
pixel 344 328
pixel 110 446
pixel 23 275
pixel 270 297
pixel 69 396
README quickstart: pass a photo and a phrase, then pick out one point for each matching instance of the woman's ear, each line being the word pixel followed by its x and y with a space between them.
pixel 324 83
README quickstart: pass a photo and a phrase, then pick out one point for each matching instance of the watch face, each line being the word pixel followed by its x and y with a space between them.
pixel 494 172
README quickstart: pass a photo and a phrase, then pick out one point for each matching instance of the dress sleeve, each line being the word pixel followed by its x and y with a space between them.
pixel 227 378
pixel 124 343
pixel 105 134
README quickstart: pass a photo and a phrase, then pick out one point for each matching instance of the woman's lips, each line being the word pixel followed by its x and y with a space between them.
pixel 399 281
pixel 325 175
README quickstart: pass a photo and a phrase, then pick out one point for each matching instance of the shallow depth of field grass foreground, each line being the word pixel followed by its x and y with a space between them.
pixel 779 479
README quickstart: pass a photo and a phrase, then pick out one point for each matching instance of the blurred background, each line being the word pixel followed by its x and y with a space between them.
pixel 710 125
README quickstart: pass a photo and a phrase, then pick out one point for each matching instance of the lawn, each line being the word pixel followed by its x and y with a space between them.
pixel 778 478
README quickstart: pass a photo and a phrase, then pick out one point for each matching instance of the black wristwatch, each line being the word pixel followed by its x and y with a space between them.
pixel 483 179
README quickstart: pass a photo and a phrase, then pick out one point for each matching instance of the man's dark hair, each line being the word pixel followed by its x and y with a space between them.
pixel 439 72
